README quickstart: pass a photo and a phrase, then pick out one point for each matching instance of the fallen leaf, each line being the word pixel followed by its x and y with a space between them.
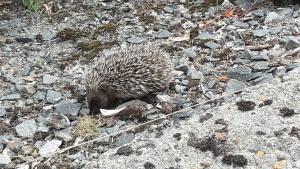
pixel 260 154
pixel 280 164
pixel 224 78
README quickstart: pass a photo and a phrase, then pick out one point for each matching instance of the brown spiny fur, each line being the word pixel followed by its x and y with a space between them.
pixel 129 73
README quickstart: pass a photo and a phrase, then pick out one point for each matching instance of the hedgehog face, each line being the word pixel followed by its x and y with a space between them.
pixel 97 100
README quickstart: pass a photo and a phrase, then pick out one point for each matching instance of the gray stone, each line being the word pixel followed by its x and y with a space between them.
pixel 297 163
pixel 234 85
pixel 49 79
pixel 241 24
pixel 275 30
pixel 135 39
pixel 260 32
pixel 183 114
pixel 256 75
pixel 124 138
pixel 259 13
pixel 272 17
pixel 29 89
pixel 48 34
pixel 17 80
pixel 242 73
pixel 164 98
pixel 11 97
pixel 260 57
pixel 49 148
pixel 261 65
pixel 292 43
pixel 22 166
pixel 204 36
pixel 20 104
pixel 65 134
pixel 39 95
pixel 68 108
pixel 53 96
pixel 27 128
pixel 2 111
pixel 163 34
pixel 29 102
pixel 194 74
pixel 263 79
pixel 279 71
pixel 287 12
pixel 168 9
pixel 292 66
pixel 189 53
pixel 212 44
pixel 296 15
pixel 180 88
pixel 4 159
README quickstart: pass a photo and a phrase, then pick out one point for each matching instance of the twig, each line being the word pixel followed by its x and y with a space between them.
pixel 255 48
pixel 291 52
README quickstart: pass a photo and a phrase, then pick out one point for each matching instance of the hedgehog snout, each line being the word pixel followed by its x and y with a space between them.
pixel 98 102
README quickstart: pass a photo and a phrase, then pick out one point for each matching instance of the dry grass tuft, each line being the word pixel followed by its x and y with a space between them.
pixel 87 126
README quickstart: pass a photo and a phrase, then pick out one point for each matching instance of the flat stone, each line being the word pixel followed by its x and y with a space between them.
pixel 263 79
pixel 65 134
pixel 204 36
pixel 189 53
pixel 17 80
pixel 49 79
pixel 212 45
pixel 168 9
pixel 27 128
pixel 29 89
pixel 48 35
pixel 272 17
pixel 124 138
pixel 39 95
pixel 234 85
pixel 260 57
pixel 261 65
pixel 260 32
pixel 183 114
pixel 135 39
pixel 241 24
pixel 163 34
pixel 49 148
pixel 53 96
pixel 259 13
pixel 242 73
pixel 68 108
pixel 292 66
pixel 11 97
pixel 2 111
pixel 4 159
pixel 275 30
pixel 194 74
pixel 22 166
pixel 292 43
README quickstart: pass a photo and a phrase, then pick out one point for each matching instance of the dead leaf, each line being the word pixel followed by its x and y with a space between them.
pixel 224 78
pixel 280 164
pixel 260 154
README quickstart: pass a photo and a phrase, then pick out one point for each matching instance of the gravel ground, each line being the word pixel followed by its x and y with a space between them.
pixel 217 49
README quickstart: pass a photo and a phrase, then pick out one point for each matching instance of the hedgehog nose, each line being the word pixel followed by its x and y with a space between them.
pixel 94 111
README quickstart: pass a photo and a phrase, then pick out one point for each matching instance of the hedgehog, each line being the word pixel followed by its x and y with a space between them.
pixel 127 73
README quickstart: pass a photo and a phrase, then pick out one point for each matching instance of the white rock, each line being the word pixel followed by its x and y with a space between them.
pixel 27 128
pixel 49 148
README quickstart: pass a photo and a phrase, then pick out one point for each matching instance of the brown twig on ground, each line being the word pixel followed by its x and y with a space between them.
pixel 255 48
pixel 290 52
